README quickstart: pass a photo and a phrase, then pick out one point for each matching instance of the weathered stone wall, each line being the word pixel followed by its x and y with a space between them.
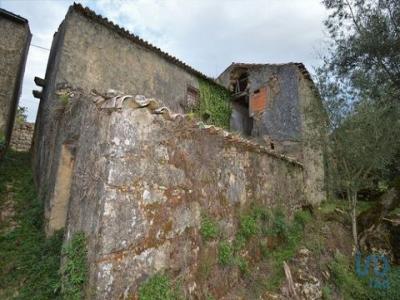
pixel 141 182
pixel 22 135
pixel 313 140
pixel 281 119
pixel 14 43
pixel 293 119
pixel 90 53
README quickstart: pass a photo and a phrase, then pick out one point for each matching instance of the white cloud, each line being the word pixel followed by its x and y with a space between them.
pixel 206 34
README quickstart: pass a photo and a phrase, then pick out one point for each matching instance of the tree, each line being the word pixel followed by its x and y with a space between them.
pixel 361 149
pixel 360 83
pixel 365 38
pixel 21 116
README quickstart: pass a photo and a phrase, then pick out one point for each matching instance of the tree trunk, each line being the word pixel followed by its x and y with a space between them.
pixel 352 199
pixel 354 218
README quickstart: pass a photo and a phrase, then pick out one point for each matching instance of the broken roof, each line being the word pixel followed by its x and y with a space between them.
pixel 300 66
pixel 87 12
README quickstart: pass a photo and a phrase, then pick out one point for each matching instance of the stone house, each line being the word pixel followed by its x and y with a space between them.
pixel 136 174
pixel 90 52
pixel 279 105
pixel 15 38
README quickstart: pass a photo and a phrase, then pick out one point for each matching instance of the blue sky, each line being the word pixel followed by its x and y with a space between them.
pixel 206 34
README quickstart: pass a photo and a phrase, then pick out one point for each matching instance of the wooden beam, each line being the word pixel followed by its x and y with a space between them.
pixel 37 94
pixel 39 81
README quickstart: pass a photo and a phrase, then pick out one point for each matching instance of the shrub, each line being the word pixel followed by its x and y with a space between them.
pixel 302 217
pixel 209 228
pixel 346 280
pixel 248 226
pixel 225 253
pixel 279 225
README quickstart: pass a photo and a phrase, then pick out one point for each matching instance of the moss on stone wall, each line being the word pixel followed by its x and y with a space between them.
pixel 214 107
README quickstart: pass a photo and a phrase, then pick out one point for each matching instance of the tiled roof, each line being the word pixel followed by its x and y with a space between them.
pixel 87 12
pixel 12 16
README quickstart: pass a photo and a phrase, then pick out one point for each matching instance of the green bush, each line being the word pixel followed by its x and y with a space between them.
pixel 279 225
pixel 225 254
pixel 346 280
pixel 353 287
pixel 302 217
pixel 393 290
pixel 209 228
pixel 158 287
pixel 75 270
pixel 327 293
pixel 248 226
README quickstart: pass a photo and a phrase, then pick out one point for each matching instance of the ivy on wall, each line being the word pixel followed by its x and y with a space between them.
pixel 214 107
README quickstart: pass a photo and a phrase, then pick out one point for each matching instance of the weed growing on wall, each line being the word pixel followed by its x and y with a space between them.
pixel 29 262
pixel 214 107
pixel 209 228
pixel 158 287
pixel 64 99
pixel 225 253
pixel 74 270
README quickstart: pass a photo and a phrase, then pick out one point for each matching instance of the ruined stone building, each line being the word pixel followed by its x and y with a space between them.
pixel 279 105
pixel 134 171
pixel 15 38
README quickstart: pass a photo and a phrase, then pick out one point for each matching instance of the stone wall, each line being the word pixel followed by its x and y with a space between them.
pixel 22 135
pixel 14 44
pixel 92 53
pixel 140 181
pixel 281 119
pixel 293 120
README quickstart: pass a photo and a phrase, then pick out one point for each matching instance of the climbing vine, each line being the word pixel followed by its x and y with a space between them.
pixel 214 107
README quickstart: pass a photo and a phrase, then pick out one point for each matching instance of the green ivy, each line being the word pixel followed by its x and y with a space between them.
pixel 74 271
pixel 214 107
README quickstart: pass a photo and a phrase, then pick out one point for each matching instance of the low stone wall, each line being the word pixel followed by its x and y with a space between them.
pixel 21 138
pixel 137 181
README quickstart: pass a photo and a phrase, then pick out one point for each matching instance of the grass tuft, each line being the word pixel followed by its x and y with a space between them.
pixel 158 287
pixel 74 270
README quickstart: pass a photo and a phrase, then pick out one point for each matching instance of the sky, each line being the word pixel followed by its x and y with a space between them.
pixel 206 34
